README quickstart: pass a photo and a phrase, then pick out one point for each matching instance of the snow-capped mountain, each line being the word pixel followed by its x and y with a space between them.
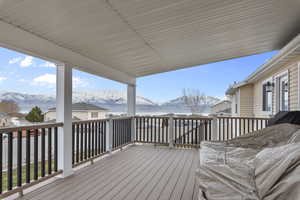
pixel 209 100
pixel 108 96
pixel 112 100
pixel 179 104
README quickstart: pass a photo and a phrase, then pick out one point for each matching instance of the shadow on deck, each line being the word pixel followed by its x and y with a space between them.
pixel 138 172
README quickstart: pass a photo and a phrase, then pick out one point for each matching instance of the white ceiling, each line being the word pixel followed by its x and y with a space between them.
pixel 125 39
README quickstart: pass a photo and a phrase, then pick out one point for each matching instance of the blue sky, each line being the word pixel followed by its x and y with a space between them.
pixel 22 73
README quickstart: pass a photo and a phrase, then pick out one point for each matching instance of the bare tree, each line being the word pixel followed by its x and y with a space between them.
pixel 9 107
pixel 194 99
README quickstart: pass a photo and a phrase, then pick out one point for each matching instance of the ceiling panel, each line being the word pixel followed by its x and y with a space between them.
pixel 143 37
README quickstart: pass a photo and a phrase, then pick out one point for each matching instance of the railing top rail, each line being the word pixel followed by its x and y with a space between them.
pixel 88 121
pixel 28 127
pixel 123 117
pixel 150 116
pixel 254 118
pixel 194 118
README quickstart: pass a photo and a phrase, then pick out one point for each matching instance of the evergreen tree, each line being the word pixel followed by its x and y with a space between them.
pixel 35 115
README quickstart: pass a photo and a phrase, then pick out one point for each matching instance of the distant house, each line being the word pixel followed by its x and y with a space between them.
pixel 273 87
pixel 221 108
pixel 80 111
pixel 5 119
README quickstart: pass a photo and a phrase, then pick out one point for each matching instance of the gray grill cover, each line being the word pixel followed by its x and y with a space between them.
pixel 262 165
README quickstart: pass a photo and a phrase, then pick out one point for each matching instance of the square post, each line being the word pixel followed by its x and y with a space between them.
pixel 215 133
pixel 109 134
pixel 131 100
pixel 131 107
pixel 171 130
pixel 64 115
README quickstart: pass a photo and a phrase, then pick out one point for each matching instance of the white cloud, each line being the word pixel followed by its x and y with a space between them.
pixel 2 78
pixel 79 83
pixel 27 61
pixel 49 80
pixel 45 80
pixel 22 80
pixel 47 64
pixel 14 60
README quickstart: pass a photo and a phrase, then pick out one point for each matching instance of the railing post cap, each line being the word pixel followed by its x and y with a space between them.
pixel 214 116
pixel 171 114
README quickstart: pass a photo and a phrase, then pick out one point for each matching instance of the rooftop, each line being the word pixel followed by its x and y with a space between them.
pixel 285 55
pixel 83 107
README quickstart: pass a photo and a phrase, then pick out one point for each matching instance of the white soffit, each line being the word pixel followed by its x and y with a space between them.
pixel 124 39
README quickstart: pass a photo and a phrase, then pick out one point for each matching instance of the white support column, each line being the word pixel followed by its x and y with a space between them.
pixel 133 129
pixel 64 114
pixel 131 107
pixel 215 128
pixel 171 131
pixel 131 100
pixel 109 133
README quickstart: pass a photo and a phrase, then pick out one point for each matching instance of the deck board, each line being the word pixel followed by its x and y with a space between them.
pixel 139 172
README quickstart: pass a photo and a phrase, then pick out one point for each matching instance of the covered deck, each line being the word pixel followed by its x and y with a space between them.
pixel 123 41
pixel 137 172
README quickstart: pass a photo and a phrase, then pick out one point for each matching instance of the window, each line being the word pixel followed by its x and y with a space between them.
pixel 283 93
pixel 267 96
pixel 94 114
pixel 236 99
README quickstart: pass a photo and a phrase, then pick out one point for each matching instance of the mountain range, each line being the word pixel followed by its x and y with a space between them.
pixel 112 100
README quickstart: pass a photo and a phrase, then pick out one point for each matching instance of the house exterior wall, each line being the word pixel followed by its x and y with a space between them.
pixel 82 115
pixel 293 73
pixel 258 100
pixel 246 101
pixel 224 105
pixel 235 106
pixel 242 102
pixel 5 121
pixel 101 114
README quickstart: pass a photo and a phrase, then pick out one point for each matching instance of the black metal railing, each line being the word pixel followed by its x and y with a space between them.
pixel 152 130
pixel 88 140
pixel 28 154
pixel 191 131
pixel 231 127
pixel 122 130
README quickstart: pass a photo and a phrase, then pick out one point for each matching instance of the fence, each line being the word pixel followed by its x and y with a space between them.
pixel 152 130
pixel 122 130
pixel 231 127
pixel 29 154
pixel 190 131
pixel 88 140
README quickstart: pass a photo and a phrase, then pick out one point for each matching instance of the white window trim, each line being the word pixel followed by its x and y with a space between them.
pixel 284 73
pixel 239 102
pixel 298 85
pixel 270 79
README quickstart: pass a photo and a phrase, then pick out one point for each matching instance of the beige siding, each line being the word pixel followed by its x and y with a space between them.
pixel 292 68
pixel 293 86
pixel 101 114
pixel 51 115
pixel 246 101
pixel 258 100
pixel 220 107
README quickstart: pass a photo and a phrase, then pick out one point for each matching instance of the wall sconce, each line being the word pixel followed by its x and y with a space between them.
pixel 269 86
pixel 285 87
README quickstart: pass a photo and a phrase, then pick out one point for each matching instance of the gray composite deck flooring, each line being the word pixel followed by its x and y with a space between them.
pixel 139 172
